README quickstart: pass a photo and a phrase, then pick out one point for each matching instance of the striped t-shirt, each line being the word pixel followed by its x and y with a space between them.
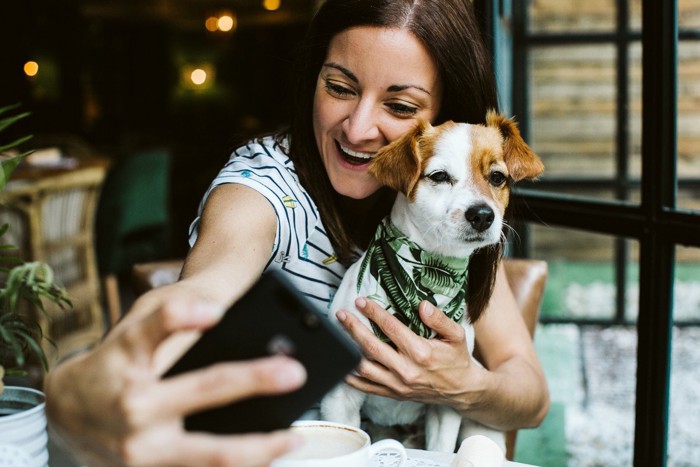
pixel 302 248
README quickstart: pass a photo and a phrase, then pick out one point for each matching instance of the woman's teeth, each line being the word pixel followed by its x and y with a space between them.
pixel 356 157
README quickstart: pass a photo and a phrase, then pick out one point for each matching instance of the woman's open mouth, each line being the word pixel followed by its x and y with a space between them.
pixel 354 157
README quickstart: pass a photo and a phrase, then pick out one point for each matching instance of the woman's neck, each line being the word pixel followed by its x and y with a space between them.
pixel 362 216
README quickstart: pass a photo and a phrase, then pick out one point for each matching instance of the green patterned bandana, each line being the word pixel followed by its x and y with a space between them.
pixel 405 274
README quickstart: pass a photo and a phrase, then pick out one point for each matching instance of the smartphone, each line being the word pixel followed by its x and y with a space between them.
pixel 273 317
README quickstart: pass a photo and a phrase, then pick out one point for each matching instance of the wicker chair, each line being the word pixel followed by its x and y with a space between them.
pixel 51 219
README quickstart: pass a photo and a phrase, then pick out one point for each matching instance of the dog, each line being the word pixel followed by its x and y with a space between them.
pixel 444 231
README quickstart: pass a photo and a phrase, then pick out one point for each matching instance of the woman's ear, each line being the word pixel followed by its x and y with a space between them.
pixel 398 164
pixel 521 160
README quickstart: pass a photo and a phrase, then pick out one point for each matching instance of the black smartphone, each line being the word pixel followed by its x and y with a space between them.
pixel 273 317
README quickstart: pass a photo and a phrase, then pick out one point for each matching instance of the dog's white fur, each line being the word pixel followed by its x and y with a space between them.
pixel 432 214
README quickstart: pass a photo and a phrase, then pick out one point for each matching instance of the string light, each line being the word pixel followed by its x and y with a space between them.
pixel 31 68
pixel 271 5
pixel 226 22
pixel 212 24
pixel 198 76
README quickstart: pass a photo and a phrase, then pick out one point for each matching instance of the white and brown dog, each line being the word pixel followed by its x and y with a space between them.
pixel 444 231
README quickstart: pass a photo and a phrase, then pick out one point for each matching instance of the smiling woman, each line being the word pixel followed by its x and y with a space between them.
pixel 302 202
pixel 358 107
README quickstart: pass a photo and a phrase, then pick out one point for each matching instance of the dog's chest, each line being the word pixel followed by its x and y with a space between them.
pixel 398 274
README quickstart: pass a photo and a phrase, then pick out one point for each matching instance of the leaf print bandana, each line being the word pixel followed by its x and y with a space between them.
pixel 405 274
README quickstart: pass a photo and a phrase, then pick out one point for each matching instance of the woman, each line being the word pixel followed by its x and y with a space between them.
pixel 305 204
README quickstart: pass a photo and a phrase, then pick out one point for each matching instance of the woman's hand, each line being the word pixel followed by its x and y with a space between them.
pixel 111 407
pixel 508 392
pixel 419 369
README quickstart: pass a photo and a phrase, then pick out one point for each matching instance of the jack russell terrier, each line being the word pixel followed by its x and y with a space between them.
pixel 444 231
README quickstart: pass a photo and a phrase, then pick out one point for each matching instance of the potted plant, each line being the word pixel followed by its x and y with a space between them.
pixel 23 286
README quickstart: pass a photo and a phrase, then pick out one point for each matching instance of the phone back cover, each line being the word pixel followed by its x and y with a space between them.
pixel 271 318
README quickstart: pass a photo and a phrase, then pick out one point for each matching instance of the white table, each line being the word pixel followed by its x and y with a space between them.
pixel 421 458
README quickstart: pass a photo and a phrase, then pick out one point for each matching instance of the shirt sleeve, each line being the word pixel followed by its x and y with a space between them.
pixel 264 167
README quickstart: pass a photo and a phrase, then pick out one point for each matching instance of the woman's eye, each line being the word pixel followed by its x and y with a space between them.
pixel 338 90
pixel 497 178
pixel 439 177
pixel 403 110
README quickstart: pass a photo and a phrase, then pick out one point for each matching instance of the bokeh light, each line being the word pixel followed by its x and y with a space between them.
pixel 271 5
pixel 198 76
pixel 31 68
pixel 212 24
pixel 226 23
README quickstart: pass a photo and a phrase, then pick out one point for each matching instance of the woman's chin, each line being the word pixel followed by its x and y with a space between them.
pixel 357 192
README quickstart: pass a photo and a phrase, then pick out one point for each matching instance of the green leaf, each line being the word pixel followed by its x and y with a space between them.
pixel 7 121
pixel 8 165
pixel 29 283
pixel 402 296
pixel 14 144
pixel 437 276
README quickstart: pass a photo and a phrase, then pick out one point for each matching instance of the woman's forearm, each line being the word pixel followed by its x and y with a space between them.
pixel 515 395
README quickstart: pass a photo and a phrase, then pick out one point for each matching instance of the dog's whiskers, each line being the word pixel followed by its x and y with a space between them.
pixel 507 229
pixel 434 231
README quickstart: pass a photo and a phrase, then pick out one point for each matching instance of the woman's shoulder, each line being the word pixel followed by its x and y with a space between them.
pixel 265 149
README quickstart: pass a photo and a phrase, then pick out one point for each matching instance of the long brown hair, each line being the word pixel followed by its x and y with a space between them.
pixel 451 34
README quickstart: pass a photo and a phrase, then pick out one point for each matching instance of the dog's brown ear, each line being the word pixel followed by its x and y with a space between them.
pixel 398 164
pixel 521 160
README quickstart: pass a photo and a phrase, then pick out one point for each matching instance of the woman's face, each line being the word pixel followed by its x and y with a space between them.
pixel 373 86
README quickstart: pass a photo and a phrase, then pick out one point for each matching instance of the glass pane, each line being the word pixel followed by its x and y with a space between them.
pixel 572 15
pixel 590 368
pixel 635 10
pixel 689 14
pixel 573 101
pixel 581 284
pixel 683 436
pixel 689 125
pixel 591 373
pixel 686 289
pixel 634 90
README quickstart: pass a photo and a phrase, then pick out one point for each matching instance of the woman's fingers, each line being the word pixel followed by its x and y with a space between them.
pixel 405 340
pixel 416 364
pixel 222 384
pixel 372 347
pixel 172 315
pixel 439 322
pixel 255 450
pixel 163 446
pixel 402 337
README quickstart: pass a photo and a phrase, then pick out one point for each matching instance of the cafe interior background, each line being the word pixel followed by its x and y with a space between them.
pixel 606 91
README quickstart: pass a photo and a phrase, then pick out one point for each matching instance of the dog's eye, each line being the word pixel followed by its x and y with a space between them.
pixel 497 178
pixel 439 176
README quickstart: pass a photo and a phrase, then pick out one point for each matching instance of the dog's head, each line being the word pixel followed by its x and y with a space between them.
pixel 456 180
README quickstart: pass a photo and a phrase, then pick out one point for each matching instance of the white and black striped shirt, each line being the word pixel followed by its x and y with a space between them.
pixel 302 248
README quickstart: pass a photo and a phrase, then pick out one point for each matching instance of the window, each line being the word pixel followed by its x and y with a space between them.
pixel 608 93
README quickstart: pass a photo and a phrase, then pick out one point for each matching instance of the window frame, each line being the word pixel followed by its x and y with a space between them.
pixel 656 222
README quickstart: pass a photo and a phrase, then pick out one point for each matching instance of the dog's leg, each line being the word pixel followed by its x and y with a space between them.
pixel 342 405
pixel 441 428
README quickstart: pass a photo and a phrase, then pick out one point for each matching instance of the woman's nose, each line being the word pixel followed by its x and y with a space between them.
pixel 362 124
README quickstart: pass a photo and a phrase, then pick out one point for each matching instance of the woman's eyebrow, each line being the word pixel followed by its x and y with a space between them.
pixel 392 88
pixel 343 70
pixel 397 88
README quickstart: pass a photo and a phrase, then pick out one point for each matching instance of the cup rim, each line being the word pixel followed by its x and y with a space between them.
pixel 336 426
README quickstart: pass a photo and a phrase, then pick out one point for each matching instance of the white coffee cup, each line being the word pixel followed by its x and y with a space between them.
pixel 334 444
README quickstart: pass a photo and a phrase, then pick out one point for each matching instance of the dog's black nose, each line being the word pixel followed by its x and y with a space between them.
pixel 480 217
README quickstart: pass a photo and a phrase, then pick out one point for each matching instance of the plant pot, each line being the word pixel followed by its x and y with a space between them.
pixel 23 435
